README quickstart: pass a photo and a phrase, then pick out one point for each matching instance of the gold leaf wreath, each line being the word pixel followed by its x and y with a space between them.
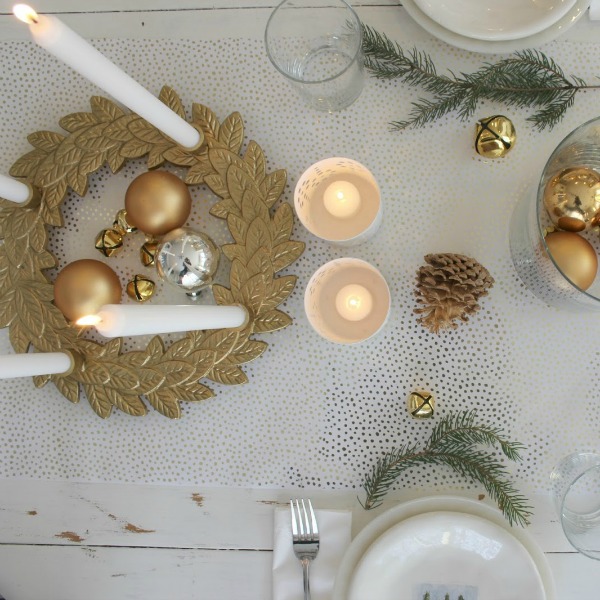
pixel 162 376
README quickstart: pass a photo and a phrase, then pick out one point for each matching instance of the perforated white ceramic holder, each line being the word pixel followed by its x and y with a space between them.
pixel 320 300
pixel 310 206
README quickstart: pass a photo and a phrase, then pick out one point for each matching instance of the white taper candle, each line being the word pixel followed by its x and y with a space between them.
pixel 14 190
pixel 37 363
pixel 116 320
pixel 61 41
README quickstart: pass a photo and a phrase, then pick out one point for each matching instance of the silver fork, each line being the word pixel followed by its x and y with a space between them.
pixel 305 537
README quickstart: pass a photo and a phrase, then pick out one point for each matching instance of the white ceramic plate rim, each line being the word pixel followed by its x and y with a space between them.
pixel 495 46
pixel 486 20
pixel 403 511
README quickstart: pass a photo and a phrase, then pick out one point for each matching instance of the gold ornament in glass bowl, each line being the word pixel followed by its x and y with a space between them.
pixel 574 256
pixel 572 199
pixel 157 202
pixel 83 286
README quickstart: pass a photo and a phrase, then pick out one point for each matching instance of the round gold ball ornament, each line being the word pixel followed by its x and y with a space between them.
pixel 157 202
pixel 140 288
pixel 109 242
pixel 572 199
pixel 83 286
pixel 421 404
pixel 574 256
pixel 495 136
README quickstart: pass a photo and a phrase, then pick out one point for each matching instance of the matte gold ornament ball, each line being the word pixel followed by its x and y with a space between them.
pixel 140 288
pixel 572 199
pixel 83 286
pixel 574 256
pixel 157 202
pixel 421 404
pixel 495 136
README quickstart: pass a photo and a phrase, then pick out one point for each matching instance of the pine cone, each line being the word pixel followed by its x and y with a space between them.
pixel 449 287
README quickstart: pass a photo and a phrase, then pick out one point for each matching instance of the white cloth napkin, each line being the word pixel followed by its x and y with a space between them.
pixel 334 533
pixel 594 12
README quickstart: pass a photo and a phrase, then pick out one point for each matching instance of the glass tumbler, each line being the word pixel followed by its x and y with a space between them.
pixel 317 47
pixel 576 495
pixel 529 223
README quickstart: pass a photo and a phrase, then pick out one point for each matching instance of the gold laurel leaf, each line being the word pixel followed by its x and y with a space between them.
pixel 228 375
pixel 95 139
pixel 114 159
pixel 260 262
pixel 118 130
pixel 169 97
pixel 105 109
pixel 135 148
pixel 121 377
pixel 223 209
pixel 22 223
pixel 283 224
pixel 100 404
pixel 221 341
pixel 254 207
pixel 151 380
pixel 130 404
pixel 255 159
pixel 258 237
pixel 40 380
pixel 76 121
pixel 176 372
pixel 49 173
pixel 194 392
pixel 272 186
pixel 77 181
pixel 249 351
pixel 216 184
pixel 68 387
pixel 238 182
pixel 95 373
pixel 221 159
pixel 203 361
pixel 231 132
pixel 156 157
pixel 179 157
pixel 253 293
pixel 222 295
pixel 155 349
pixel 165 402
pixel 45 140
pixel 28 164
pixel 238 228
pixel 271 321
pixel 277 291
pixel 146 132
pixel 19 339
pixel 8 310
pixel 38 236
pixel 285 254
pixel 233 251
pixel 180 349
pixel 198 172
pixel 91 162
pixel 206 119
pixel 237 276
pixel 54 194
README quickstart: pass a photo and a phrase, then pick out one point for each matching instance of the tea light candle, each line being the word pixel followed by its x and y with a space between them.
pixel 14 190
pixel 37 363
pixel 338 200
pixel 116 320
pixel 61 41
pixel 341 199
pixel 347 301
pixel 354 302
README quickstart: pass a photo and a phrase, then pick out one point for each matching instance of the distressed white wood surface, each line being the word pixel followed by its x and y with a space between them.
pixel 96 541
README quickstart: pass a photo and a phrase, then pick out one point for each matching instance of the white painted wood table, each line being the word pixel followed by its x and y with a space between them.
pixel 195 520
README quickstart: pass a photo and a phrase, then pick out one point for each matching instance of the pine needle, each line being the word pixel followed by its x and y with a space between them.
pixel 527 79
pixel 468 448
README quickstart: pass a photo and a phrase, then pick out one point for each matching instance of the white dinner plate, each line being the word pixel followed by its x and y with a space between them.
pixel 495 19
pixel 443 545
pixel 496 46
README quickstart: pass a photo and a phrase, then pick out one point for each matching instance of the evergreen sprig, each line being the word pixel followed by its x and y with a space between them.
pixel 458 442
pixel 527 79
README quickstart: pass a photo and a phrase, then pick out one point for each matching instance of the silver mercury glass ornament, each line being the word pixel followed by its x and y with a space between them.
pixel 187 259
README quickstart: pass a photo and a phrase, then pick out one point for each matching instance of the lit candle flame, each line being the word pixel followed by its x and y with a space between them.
pixel 25 13
pixel 89 320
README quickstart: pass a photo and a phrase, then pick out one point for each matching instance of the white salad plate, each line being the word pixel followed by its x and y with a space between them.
pixel 496 46
pixel 443 545
pixel 495 19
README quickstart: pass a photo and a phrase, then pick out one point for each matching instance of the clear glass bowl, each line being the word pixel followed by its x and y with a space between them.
pixel 529 222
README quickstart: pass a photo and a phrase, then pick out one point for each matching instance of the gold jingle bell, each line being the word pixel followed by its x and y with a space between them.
pixel 109 242
pixel 148 252
pixel 495 136
pixel 572 199
pixel 421 405
pixel 140 288
pixel 121 224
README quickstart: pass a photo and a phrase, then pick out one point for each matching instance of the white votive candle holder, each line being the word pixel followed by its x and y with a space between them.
pixel 347 301
pixel 338 200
